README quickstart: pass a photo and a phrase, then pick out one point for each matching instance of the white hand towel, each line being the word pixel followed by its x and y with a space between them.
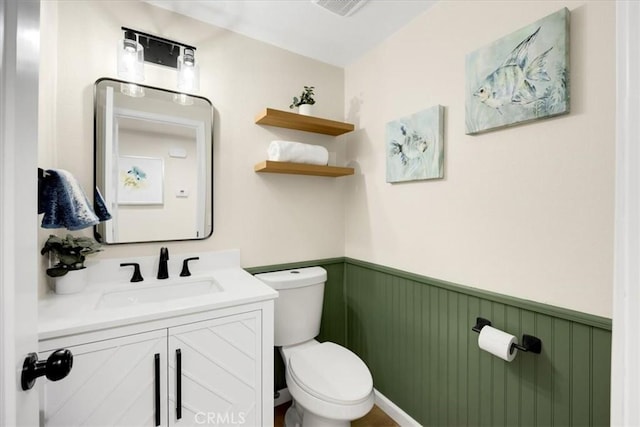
pixel 297 152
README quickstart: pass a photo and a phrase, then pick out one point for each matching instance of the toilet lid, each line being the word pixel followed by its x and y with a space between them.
pixel 331 373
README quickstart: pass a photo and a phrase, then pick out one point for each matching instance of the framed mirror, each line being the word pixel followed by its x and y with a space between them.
pixel 153 163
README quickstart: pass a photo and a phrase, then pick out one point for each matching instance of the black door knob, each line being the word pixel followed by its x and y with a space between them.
pixel 56 367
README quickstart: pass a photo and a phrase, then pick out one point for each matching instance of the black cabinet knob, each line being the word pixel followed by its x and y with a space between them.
pixel 56 367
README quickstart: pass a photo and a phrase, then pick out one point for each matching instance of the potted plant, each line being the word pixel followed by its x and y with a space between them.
pixel 305 101
pixel 70 253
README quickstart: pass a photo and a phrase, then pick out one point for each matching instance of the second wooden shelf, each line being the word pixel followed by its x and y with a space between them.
pixel 269 166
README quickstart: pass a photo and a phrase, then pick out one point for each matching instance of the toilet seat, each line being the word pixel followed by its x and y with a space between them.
pixel 331 373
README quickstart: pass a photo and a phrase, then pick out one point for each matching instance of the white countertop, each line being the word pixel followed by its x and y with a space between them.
pixel 62 315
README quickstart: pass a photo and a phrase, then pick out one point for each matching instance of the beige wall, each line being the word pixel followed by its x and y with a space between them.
pixel 525 211
pixel 270 218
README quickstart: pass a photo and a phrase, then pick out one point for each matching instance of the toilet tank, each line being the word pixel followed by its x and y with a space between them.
pixel 298 308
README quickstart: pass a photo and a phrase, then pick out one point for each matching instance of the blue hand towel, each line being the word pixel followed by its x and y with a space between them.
pixel 64 203
pixel 100 206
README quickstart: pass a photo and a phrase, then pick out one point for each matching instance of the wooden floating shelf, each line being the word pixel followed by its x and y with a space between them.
pixel 269 166
pixel 284 119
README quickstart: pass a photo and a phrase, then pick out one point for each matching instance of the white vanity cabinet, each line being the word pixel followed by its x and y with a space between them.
pixel 215 368
pixel 205 369
pixel 112 382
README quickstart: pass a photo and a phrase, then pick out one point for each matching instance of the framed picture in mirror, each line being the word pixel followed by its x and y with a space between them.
pixel 140 180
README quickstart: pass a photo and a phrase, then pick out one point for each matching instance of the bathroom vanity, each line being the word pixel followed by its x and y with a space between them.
pixel 182 351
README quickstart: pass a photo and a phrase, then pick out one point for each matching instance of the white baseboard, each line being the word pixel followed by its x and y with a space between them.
pixel 284 397
pixel 394 411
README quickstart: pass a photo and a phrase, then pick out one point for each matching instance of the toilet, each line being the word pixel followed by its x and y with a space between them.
pixel 329 384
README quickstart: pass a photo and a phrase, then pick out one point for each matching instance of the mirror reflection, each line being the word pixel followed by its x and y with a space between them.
pixel 153 163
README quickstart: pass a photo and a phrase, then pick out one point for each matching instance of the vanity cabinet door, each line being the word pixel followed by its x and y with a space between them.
pixel 215 373
pixel 117 382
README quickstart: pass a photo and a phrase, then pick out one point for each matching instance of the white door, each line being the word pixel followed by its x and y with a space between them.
pixel 215 373
pixel 625 371
pixel 19 67
pixel 120 382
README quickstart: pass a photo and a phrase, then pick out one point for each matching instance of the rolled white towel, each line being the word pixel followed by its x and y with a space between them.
pixel 297 152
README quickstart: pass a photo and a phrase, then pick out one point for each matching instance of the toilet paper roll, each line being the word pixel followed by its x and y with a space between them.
pixel 497 342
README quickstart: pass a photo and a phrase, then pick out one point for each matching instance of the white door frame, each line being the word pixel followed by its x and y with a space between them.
pixel 19 70
pixel 625 369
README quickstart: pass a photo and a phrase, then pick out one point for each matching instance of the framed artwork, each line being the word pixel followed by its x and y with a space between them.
pixel 415 146
pixel 140 180
pixel 521 77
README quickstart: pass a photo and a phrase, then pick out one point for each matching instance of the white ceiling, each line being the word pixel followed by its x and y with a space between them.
pixel 303 27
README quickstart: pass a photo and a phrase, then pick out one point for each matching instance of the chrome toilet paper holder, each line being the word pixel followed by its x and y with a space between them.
pixel 529 344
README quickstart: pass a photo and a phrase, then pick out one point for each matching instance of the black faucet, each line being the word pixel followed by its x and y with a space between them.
pixel 137 277
pixel 163 272
pixel 185 266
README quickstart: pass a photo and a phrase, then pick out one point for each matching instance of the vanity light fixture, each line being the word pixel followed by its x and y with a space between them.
pixel 160 51
pixel 188 72
pixel 130 58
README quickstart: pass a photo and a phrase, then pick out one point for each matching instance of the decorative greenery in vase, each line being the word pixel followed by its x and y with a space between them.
pixel 305 98
pixel 70 253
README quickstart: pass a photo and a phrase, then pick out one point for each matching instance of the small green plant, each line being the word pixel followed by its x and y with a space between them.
pixel 70 253
pixel 305 98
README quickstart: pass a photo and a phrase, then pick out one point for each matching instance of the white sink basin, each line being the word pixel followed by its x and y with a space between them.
pixel 158 292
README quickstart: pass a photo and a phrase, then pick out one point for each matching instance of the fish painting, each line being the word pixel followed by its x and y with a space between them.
pixel 511 83
pixel 415 146
pixel 411 146
pixel 521 77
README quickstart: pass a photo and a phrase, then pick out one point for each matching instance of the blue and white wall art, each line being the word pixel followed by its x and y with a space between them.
pixel 521 77
pixel 415 146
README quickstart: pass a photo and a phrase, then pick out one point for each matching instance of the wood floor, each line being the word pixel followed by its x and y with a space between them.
pixel 375 418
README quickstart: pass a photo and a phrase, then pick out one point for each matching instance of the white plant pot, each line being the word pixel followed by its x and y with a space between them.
pixel 73 282
pixel 305 109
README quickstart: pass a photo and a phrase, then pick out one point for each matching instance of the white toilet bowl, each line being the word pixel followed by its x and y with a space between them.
pixel 330 385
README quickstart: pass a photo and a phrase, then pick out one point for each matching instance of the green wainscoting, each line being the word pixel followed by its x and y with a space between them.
pixel 415 335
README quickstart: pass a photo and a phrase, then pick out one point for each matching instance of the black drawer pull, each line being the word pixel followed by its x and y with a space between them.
pixel 178 384
pixel 157 368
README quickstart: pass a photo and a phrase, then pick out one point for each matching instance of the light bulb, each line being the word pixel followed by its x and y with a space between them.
pixel 188 72
pixel 130 59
